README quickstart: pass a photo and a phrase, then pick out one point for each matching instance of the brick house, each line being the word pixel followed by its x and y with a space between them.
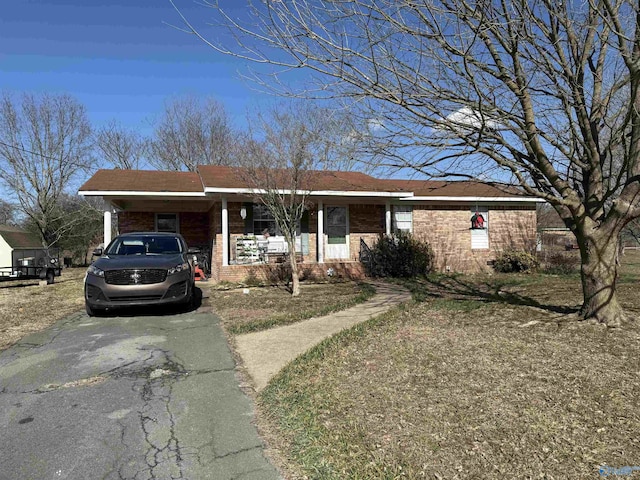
pixel 214 209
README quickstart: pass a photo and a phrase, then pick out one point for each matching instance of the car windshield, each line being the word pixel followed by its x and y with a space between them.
pixel 145 245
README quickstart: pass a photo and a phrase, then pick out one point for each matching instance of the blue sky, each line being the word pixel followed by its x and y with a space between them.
pixel 118 57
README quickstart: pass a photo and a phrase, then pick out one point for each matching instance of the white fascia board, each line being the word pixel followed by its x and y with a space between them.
pixel 124 193
pixel 473 199
pixel 315 193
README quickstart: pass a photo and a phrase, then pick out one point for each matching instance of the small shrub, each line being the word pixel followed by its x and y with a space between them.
pixel 399 255
pixel 252 280
pixel 561 264
pixel 513 261
pixel 279 273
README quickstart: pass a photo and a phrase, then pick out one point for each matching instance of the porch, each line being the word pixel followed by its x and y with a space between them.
pixel 242 240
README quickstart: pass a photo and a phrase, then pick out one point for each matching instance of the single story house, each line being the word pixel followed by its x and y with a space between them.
pixel 18 248
pixel 215 209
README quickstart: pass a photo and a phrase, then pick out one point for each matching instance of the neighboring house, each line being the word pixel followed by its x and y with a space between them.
pixel 18 247
pixel 553 234
pixel 214 209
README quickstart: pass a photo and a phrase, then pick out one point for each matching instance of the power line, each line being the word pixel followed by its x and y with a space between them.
pixel 28 151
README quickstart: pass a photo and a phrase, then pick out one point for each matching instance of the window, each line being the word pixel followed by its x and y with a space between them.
pixel 167 222
pixel 263 221
pixel 480 236
pixel 402 220
pixel 145 245
pixel 336 228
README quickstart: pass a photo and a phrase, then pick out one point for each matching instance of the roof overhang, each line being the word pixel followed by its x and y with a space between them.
pixel 313 193
pixel 126 193
pixel 472 199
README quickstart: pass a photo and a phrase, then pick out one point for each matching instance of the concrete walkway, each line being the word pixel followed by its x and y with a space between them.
pixel 265 353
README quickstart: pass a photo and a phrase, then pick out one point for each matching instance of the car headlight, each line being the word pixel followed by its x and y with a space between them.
pixel 93 270
pixel 178 268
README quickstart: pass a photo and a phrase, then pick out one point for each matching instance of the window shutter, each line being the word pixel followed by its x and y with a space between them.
pixel 304 233
pixel 248 222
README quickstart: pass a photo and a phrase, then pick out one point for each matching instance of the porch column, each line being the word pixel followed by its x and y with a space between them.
pixel 225 233
pixel 320 234
pixel 106 227
pixel 387 218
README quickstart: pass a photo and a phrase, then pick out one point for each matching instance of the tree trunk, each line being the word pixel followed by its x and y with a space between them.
pixel 599 274
pixel 295 278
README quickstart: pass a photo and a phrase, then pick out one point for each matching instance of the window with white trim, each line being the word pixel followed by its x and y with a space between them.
pixel 402 219
pixel 167 222
pixel 480 236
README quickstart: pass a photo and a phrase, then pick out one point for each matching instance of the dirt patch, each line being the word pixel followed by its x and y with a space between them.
pixel 26 306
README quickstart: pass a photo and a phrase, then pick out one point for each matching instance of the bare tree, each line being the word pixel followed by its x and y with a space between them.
pixel 45 143
pixel 192 132
pixel 88 225
pixel 540 93
pixel 7 213
pixel 122 148
pixel 282 159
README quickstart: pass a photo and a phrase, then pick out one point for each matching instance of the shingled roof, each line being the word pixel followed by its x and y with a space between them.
pixel 441 188
pixel 213 178
pixel 143 180
pixel 19 239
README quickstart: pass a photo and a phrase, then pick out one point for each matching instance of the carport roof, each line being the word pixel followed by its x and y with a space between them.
pixel 17 238
pixel 143 180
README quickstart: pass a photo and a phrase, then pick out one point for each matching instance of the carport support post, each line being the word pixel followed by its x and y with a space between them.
pixel 107 223
pixel 320 238
pixel 225 232
pixel 387 218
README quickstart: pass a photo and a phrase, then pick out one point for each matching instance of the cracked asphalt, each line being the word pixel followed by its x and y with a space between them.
pixel 139 397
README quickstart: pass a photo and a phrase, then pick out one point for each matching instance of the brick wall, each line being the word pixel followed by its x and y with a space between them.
pixel 366 222
pixel 194 227
pixel 215 220
pixel 446 228
pixel 448 232
pixel 136 222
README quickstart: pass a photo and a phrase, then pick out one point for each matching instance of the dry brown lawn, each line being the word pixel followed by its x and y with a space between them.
pixel 485 377
pixel 265 307
pixel 27 307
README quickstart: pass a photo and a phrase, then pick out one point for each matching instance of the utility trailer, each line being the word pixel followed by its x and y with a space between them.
pixel 33 263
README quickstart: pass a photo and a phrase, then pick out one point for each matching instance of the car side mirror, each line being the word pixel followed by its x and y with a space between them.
pixel 97 252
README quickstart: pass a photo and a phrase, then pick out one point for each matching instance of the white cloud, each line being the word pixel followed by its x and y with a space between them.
pixel 467 117
pixel 374 124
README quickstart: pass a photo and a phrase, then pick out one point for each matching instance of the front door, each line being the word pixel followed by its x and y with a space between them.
pixel 337 233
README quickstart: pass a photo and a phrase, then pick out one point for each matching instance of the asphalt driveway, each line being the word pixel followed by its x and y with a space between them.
pixel 140 397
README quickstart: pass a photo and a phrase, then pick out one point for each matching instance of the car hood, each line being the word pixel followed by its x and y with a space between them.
pixel 138 262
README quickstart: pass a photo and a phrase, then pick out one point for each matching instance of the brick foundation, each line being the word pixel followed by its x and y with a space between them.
pixel 277 272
